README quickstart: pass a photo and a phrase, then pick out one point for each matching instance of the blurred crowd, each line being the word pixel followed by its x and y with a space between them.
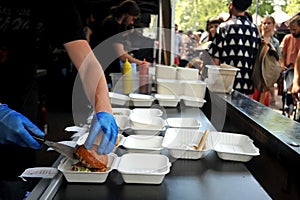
pixel 191 46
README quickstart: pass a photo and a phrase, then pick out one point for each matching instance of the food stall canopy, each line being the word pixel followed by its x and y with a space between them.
pixel 151 6
pixel 224 15
pixel 101 7
pixel 280 16
pixel 148 6
pixel 256 19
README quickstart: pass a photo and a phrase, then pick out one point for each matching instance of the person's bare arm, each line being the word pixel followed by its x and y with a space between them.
pixel 91 74
pixel 283 63
pixel 296 80
pixel 119 48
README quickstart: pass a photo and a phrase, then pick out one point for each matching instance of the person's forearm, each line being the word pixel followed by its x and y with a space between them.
pixel 91 74
pixel 297 68
pixel 130 59
pixel 296 79
pixel 102 102
pixel 282 61
pixel 122 54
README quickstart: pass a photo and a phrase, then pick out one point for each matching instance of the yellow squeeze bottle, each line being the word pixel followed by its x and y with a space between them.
pixel 127 77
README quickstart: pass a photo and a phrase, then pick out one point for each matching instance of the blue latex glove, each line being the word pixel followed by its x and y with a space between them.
pixel 17 129
pixel 105 122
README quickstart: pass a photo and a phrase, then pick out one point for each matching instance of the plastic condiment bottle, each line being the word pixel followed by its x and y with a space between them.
pixel 127 77
pixel 144 77
pixel 133 66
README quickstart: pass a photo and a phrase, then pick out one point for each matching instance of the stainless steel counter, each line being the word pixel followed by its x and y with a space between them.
pixel 207 178
pixel 276 136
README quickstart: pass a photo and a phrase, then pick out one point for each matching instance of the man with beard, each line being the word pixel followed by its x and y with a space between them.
pixel 122 17
pixel 290 46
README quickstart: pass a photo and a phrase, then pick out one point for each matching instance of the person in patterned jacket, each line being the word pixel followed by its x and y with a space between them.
pixel 236 43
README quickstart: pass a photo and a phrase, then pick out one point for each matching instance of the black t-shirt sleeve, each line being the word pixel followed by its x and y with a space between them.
pixel 110 29
pixel 107 30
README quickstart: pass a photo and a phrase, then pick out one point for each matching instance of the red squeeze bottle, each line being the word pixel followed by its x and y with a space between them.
pixel 144 77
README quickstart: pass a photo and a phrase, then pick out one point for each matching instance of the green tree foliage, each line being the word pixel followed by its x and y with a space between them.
pixel 190 17
pixel 193 14
pixel 264 7
pixel 293 7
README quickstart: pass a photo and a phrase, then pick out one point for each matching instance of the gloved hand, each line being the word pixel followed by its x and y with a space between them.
pixel 15 128
pixel 106 123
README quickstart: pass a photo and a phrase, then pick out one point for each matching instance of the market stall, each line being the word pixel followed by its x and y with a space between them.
pixel 209 178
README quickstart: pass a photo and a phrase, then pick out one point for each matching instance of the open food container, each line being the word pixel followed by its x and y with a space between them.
pixel 221 78
pixel 142 144
pixel 118 99
pixel 145 121
pixel 193 101
pixel 143 168
pixel 155 112
pixel 167 100
pixel 66 165
pixel 141 100
pixel 146 125
pixel 134 168
pixel 144 131
pixel 81 140
pixel 140 125
pixel 228 146
pixel 121 111
pixel 235 147
pixel 180 143
pixel 122 122
pixel 179 122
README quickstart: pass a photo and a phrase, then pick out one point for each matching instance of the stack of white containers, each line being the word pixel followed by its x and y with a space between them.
pixel 183 83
